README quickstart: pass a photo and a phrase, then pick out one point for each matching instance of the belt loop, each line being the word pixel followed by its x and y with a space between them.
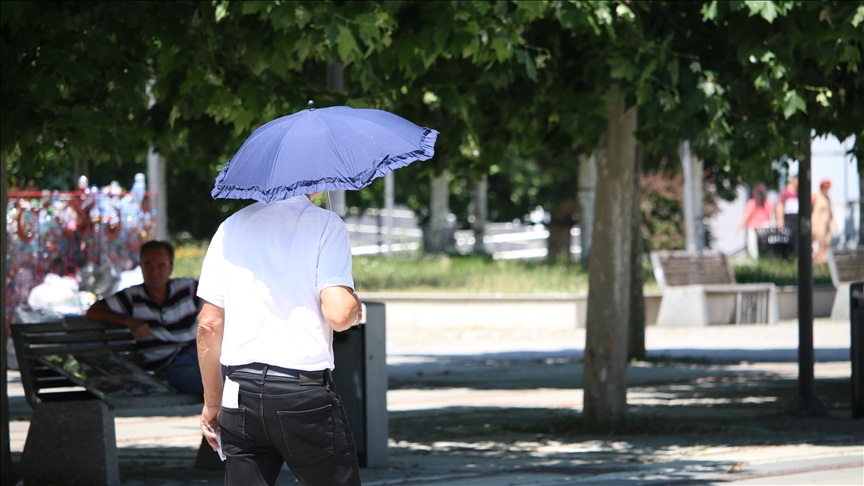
pixel 263 374
pixel 313 378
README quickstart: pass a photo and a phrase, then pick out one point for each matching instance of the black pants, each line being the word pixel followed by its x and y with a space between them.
pixel 295 420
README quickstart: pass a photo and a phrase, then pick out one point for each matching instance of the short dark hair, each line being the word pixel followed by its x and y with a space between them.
pixel 154 244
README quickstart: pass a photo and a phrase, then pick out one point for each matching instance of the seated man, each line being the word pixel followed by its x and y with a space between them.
pixel 163 314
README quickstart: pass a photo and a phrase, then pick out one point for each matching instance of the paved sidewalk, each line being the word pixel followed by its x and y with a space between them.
pixel 491 406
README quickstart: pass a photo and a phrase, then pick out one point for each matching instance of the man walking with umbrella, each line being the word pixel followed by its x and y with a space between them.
pixel 277 283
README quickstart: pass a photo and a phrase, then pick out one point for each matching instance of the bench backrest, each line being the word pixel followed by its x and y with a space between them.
pixel 75 334
pixel 675 268
pixel 846 265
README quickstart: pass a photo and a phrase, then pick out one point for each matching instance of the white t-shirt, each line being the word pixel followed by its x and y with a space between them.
pixel 266 266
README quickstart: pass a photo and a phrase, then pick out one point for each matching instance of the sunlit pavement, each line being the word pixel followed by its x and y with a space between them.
pixel 475 406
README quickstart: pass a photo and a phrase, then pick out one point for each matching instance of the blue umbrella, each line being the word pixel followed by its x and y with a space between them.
pixel 325 149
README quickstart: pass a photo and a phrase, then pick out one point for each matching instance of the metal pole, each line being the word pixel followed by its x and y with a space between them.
pixel 806 403
pixel 389 190
pixel 336 82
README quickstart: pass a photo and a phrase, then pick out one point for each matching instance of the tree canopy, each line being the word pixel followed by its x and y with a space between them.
pixel 516 88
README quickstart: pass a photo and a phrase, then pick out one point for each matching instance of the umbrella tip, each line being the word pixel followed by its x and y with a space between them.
pixel 311 105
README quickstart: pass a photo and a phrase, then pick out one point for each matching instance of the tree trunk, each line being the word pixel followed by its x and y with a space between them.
pixel 605 375
pixel 82 168
pixel 691 167
pixel 480 203
pixel 636 334
pixel 6 476
pixel 587 191
pixel 698 201
pixel 157 183
pixel 560 225
pixel 435 237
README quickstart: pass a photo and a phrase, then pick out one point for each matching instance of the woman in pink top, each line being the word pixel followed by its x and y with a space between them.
pixel 757 214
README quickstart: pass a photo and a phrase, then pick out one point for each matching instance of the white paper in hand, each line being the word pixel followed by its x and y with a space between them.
pixel 218 431
pixel 231 394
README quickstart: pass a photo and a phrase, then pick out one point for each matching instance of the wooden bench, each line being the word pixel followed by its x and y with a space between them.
pixel 699 289
pixel 846 266
pixel 72 433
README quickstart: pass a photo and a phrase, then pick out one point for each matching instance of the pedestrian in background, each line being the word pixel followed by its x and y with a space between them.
pixel 757 215
pixel 822 220
pixel 787 206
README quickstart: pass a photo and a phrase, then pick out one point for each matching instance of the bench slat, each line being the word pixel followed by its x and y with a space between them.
pixel 59 383
pixel 77 337
pixel 81 348
pixel 692 268
pixel 71 325
pixel 846 265
pixel 67 396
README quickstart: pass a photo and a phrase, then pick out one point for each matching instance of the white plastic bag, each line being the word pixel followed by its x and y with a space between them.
pixel 56 293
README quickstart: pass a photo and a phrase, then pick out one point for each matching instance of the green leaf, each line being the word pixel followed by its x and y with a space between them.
pixel 792 103
pixel 283 17
pixel 193 79
pixel 241 119
pixel 251 7
pixel 673 69
pixel 302 48
pixel 622 69
pixel 346 45
pixel 624 11
pixel 502 52
pixel 859 16
pixel 709 12
pixel 822 99
pixel 221 10
pixel 525 59
pixel 766 9
pixel 648 71
pixel 761 83
pixel 175 113
pixel 333 34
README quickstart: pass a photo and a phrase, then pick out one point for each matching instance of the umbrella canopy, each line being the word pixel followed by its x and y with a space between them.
pixel 325 149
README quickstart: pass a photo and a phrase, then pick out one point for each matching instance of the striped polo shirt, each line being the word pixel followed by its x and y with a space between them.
pixel 175 321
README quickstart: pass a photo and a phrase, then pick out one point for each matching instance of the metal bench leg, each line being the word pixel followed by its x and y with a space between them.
pixel 72 443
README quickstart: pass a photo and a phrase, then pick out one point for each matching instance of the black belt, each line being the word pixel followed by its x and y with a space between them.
pixel 261 369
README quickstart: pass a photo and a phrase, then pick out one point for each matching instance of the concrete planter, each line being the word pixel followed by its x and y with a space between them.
pixel 823 299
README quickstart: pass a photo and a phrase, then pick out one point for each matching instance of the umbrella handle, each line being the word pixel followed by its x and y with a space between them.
pixel 329 206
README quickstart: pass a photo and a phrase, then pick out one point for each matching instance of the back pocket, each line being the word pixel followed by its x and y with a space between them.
pixel 233 421
pixel 308 434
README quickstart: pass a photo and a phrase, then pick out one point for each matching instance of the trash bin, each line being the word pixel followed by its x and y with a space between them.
pixel 775 243
pixel 361 379
pixel 856 319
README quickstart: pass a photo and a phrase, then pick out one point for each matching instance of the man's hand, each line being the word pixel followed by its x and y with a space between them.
pixel 341 307
pixel 139 328
pixel 210 416
pixel 101 312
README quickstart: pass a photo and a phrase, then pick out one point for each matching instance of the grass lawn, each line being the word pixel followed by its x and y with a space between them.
pixel 478 275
